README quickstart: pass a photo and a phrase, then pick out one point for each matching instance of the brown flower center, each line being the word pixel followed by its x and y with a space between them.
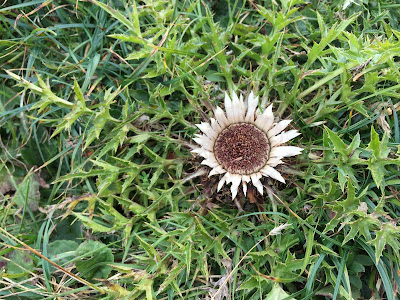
pixel 242 148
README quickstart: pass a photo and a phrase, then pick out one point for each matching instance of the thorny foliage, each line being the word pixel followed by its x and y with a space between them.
pixel 97 106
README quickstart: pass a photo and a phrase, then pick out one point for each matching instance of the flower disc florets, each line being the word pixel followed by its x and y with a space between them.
pixel 242 148
pixel 244 144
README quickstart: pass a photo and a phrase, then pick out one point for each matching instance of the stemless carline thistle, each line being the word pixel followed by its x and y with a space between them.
pixel 244 144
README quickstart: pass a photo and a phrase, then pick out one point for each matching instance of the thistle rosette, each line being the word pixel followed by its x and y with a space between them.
pixel 244 144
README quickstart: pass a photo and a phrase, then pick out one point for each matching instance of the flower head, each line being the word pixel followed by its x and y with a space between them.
pixel 244 144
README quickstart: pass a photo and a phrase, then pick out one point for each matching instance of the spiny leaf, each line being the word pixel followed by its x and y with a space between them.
pixel 336 30
pixel 378 172
pixel 133 26
pixel 362 225
pixel 389 234
pixel 95 226
pixel 277 293
pixel 338 144
pixel 380 151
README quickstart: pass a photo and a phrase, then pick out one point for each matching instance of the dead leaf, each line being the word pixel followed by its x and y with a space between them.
pixel 382 122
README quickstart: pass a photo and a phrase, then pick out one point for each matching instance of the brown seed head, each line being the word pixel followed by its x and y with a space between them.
pixel 242 148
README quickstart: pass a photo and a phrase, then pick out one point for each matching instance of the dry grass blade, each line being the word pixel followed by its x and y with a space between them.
pixel 83 281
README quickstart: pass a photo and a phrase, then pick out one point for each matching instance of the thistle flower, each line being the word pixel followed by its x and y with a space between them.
pixel 244 144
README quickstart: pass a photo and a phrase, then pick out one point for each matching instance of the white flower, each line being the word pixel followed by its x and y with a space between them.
pixel 244 144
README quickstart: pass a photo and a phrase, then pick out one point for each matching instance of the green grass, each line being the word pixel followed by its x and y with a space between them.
pixel 98 103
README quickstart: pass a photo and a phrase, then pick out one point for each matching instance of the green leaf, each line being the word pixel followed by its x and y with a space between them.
pixel 93 259
pixel 151 252
pixel 146 285
pixel 374 144
pixel 92 224
pixel 335 30
pixel 47 96
pixel 129 38
pixel 353 152
pixel 28 193
pixel 362 226
pixel 380 151
pixel 142 53
pixel 355 143
pixel 338 145
pixel 378 172
pixel 171 278
pixel 131 25
pixel 252 283
pixel 356 267
pixel 351 202
pixel 78 92
pixel 277 293
pixel 20 264
pixel 61 252
pixel 365 260
pixel 285 272
pixel 101 117
pixel 106 166
pixel 389 234
pixel 78 109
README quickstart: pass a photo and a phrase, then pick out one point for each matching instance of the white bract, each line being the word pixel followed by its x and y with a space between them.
pixel 244 144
